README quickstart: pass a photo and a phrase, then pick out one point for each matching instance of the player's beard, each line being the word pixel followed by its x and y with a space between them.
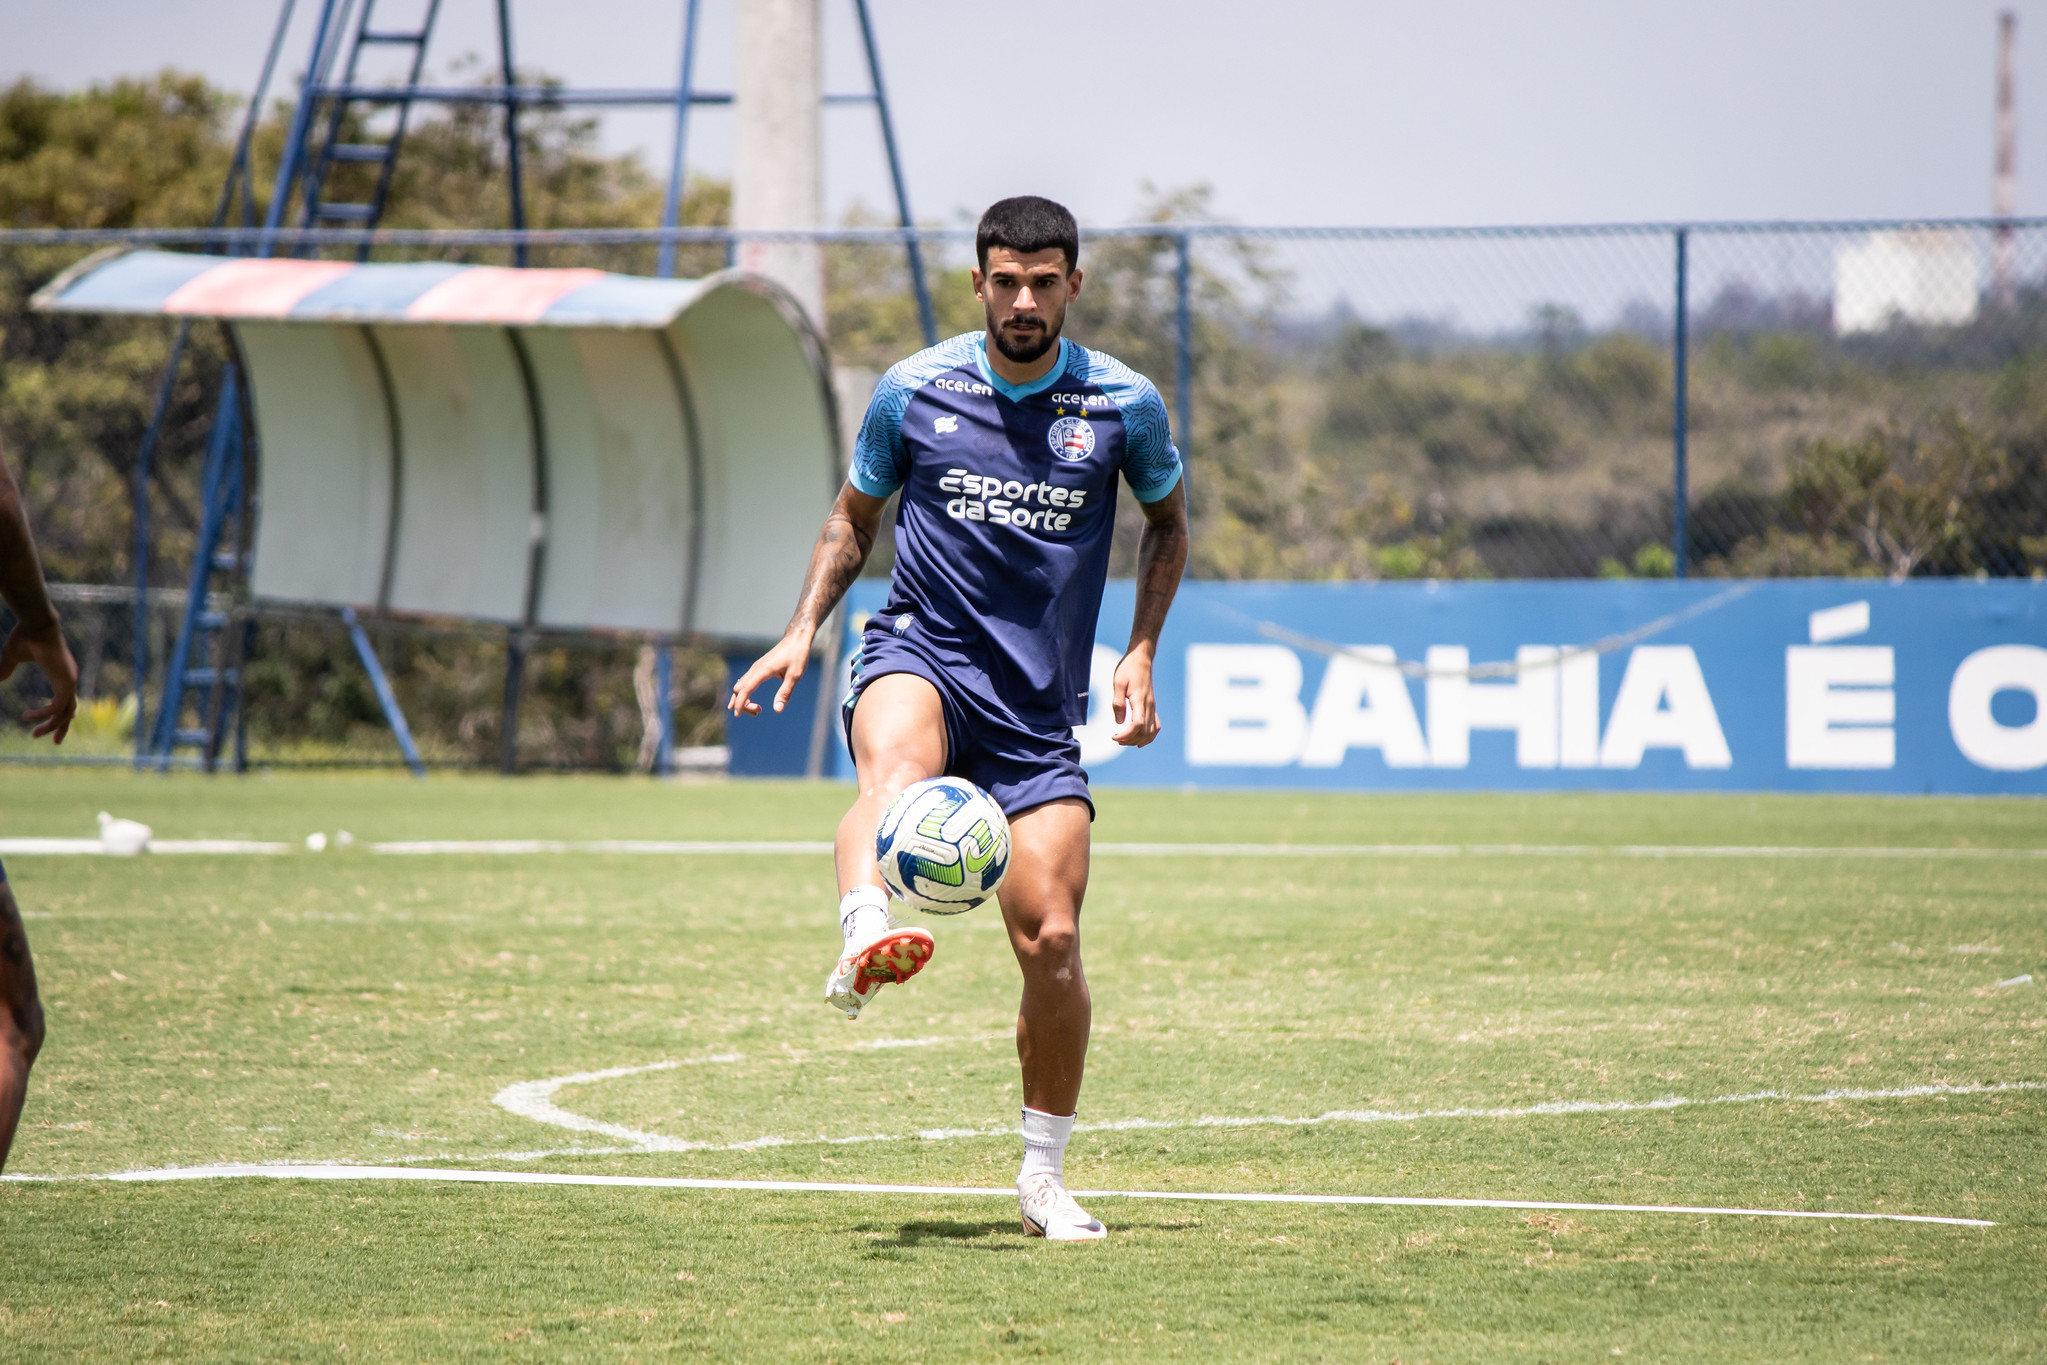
pixel 1026 347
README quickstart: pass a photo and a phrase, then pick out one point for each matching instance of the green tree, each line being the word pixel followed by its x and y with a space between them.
pixel 1265 503
pixel 76 392
pixel 1893 502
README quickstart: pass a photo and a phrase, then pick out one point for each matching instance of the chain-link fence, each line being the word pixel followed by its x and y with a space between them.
pixel 589 702
pixel 1847 399
pixel 1856 399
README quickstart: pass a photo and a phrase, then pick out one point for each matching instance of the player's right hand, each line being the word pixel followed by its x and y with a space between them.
pixel 787 660
pixel 46 650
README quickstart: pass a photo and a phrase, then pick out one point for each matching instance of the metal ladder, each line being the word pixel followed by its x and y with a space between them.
pixel 313 147
pixel 218 640
pixel 219 568
pixel 315 210
pixel 203 630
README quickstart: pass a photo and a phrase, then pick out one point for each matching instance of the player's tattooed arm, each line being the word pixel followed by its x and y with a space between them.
pixel 836 560
pixel 840 554
pixel 37 637
pixel 1161 558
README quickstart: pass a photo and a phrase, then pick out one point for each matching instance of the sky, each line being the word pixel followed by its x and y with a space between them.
pixel 1292 111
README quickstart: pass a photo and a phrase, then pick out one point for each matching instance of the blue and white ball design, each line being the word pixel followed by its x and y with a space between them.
pixel 943 846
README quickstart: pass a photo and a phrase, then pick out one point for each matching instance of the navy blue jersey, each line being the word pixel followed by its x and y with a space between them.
pixel 1009 503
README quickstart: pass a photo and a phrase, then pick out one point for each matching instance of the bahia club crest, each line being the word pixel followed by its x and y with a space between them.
pixel 1072 439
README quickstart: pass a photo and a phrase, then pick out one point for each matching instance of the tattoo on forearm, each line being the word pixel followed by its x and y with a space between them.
pixel 1161 557
pixel 841 551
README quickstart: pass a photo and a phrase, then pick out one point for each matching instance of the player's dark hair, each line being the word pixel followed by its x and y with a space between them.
pixel 1026 224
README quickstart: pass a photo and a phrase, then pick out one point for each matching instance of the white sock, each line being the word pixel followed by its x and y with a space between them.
pixel 863 912
pixel 1045 1136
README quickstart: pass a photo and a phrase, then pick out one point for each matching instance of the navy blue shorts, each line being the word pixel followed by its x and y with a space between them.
pixel 1020 765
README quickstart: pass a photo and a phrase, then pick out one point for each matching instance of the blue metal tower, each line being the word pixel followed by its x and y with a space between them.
pixel 204 673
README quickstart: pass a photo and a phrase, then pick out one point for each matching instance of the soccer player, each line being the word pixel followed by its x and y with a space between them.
pixel 1006 446
pixel 38 639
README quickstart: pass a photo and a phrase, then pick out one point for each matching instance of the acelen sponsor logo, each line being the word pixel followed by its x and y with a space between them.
pixel 1245 706
pixel 1026 506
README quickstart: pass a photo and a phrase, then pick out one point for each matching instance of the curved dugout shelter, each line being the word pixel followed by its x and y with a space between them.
pixel 561 448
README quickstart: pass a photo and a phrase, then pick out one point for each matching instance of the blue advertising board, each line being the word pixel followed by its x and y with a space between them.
pixel 1776 685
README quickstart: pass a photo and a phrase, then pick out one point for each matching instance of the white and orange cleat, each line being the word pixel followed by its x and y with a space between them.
pixel 894 955
pixel 1049 1211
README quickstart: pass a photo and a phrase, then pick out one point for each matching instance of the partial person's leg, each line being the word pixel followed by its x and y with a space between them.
pixel 1041 899
pixel 898 737
pixel 21 1017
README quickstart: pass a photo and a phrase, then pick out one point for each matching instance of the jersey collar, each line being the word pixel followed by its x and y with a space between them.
pixel 1016 393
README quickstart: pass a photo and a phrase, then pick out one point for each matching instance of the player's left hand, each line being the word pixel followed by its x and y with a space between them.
pixel 1137 717
pixel 46 650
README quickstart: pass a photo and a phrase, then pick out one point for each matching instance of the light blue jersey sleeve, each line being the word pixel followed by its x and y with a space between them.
pixel 1151 464
pixel 881 462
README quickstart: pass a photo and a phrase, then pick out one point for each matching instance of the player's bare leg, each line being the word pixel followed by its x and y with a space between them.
pixel 21 1018
pixel 1041 898
pixel 898 739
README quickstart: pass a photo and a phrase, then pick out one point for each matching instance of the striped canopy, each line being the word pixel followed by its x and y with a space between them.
pixel 564 448
pixel 180 284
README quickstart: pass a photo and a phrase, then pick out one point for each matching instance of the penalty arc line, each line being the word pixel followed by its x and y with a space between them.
pixel 534 1100
pixel 343 1172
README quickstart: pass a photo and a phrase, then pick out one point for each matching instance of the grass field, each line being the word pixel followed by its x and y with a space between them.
pixel 353 1007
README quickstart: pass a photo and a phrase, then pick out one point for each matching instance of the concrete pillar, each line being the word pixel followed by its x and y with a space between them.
pixel 777 178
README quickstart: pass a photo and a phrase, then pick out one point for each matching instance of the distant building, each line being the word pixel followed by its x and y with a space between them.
pixel 1923 275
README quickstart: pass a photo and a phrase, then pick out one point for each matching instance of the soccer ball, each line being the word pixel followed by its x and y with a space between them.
pixel 943 846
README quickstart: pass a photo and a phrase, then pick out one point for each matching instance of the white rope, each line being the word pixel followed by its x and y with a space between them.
pixel 1506 669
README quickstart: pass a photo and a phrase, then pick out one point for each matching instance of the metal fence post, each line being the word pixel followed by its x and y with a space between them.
pixel 926 317
pixel 664 706
pixel 517 643
pixel 515 175
pixel 671 204
pixel 1183 333
pixel 1680 365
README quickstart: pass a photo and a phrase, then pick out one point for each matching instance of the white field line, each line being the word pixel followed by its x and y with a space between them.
pixel 216 846
pixel 819 847
pixel 535 1100
pixel 1202 850
pixel 1176 850
pixel 282 1171
pixel 173 846
pixel 668 846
